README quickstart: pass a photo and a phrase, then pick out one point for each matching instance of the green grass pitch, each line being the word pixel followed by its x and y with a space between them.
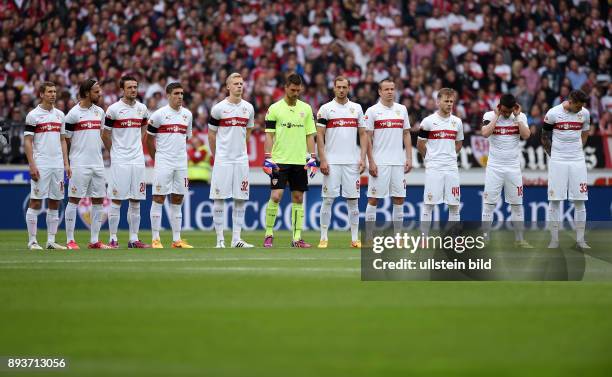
pixel 285 312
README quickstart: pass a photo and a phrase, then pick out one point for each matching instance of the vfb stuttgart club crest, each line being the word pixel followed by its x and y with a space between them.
pixel 86 214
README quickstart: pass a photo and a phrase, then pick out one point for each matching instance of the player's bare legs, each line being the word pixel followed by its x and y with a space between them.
pixel 554 219
pixel 580 223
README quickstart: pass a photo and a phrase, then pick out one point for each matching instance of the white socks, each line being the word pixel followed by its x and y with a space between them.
pixel 133 216
pixel 155 215
pixel 398 217
pixel 97 210
pixel 237 219
pixel 52 224
pixel 176 221
pixel 426 214
pixel 517 216
pixel 453 213
pixel 487 216
pixel 32 223
pixel 113 220
pixel 353 210
pixel 579 219
pixel 70 219
pixel 370 214
pixel 326 207
pixel 218 214
pixel 554 217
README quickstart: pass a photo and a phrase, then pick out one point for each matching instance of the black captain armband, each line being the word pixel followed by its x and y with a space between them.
pixel 547 127
pixel 30 128
pixel 322 121
pixel 270 124
pixel 108 122
pixel 70 127
pixel 213 121
pixel 424 134
pixel 152 129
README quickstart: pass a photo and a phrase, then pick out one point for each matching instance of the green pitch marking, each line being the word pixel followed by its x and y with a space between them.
pixel 285 312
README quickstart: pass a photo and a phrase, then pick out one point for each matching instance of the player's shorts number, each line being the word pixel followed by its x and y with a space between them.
pixel 455 191
pixel 142 187
pixel 519 190
pixel 244 186
pixel 186 182
pixel 583 188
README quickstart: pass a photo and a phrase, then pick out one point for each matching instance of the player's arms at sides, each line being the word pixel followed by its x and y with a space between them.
pixel 65 156
pixel 29 151
pixel 107 139
pixel 408 148
pixel 422 142
pixel 321 150
pixel 363 144
pixel 584 136
pixel 458 145
pixel 212 141
pixel 546 137
pixel 150 143
pixel 371 163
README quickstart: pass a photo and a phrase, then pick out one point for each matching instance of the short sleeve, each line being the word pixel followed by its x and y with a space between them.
pixel 109 118
pixel 368 119
pixel 62 119
pixel 488 117
pixel 459 136
pixel 213 118
pixel 586 125
pixel 425 126
pixel 360 117
pixel 271 120
pixel 154 123
pixel 30 125
pixel 69 124
pixel 522 118
pixel 309 122
pixel 145 117
pixel 251 122
pixel 322 117
pixel 406 119
pixel 550 117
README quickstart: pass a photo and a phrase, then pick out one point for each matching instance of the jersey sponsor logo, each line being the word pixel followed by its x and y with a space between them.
pixel 233 122
pixel 512 130
pixel 568 126
pixel 292 125
pixel 172 129
pixel 128 123
pixel 342 122
pixel 388 123
pixel 443 134
pixel 88 125
pixel 48 127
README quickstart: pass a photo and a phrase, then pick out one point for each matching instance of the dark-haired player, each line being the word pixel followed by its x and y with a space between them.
pixel 564 133
pixel 504 127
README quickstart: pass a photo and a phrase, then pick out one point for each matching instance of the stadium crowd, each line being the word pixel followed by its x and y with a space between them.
pixel 536 50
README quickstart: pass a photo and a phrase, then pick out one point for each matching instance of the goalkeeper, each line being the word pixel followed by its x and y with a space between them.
pixel 290 134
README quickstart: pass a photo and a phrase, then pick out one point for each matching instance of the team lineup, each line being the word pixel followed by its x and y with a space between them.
pixel 339 139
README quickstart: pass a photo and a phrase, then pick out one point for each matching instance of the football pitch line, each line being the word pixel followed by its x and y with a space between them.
pixel 163 260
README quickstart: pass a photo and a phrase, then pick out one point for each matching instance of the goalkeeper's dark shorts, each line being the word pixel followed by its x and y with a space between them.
pixel 295 175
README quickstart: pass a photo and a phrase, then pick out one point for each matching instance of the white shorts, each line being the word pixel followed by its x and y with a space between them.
pixel 441 187
pixel 87 182
pixel 127 182
pixel 511 180
pixel 230 181
pixel 346 176
pixel 170 181
pixel 567 180
pixel 50 185
pixel 391 181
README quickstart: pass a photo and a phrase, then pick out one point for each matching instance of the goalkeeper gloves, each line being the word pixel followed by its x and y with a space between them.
pixel 270 166
pixel 312 164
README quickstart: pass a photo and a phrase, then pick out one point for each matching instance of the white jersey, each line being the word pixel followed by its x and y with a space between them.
pixel 567 133
pixel 231 121
pixel 441 136
pixel 46 128
pixel 83 128
pixel 388 125
pixel 341 123
pixel 504 148
pixel 126 121
pixel 171 129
